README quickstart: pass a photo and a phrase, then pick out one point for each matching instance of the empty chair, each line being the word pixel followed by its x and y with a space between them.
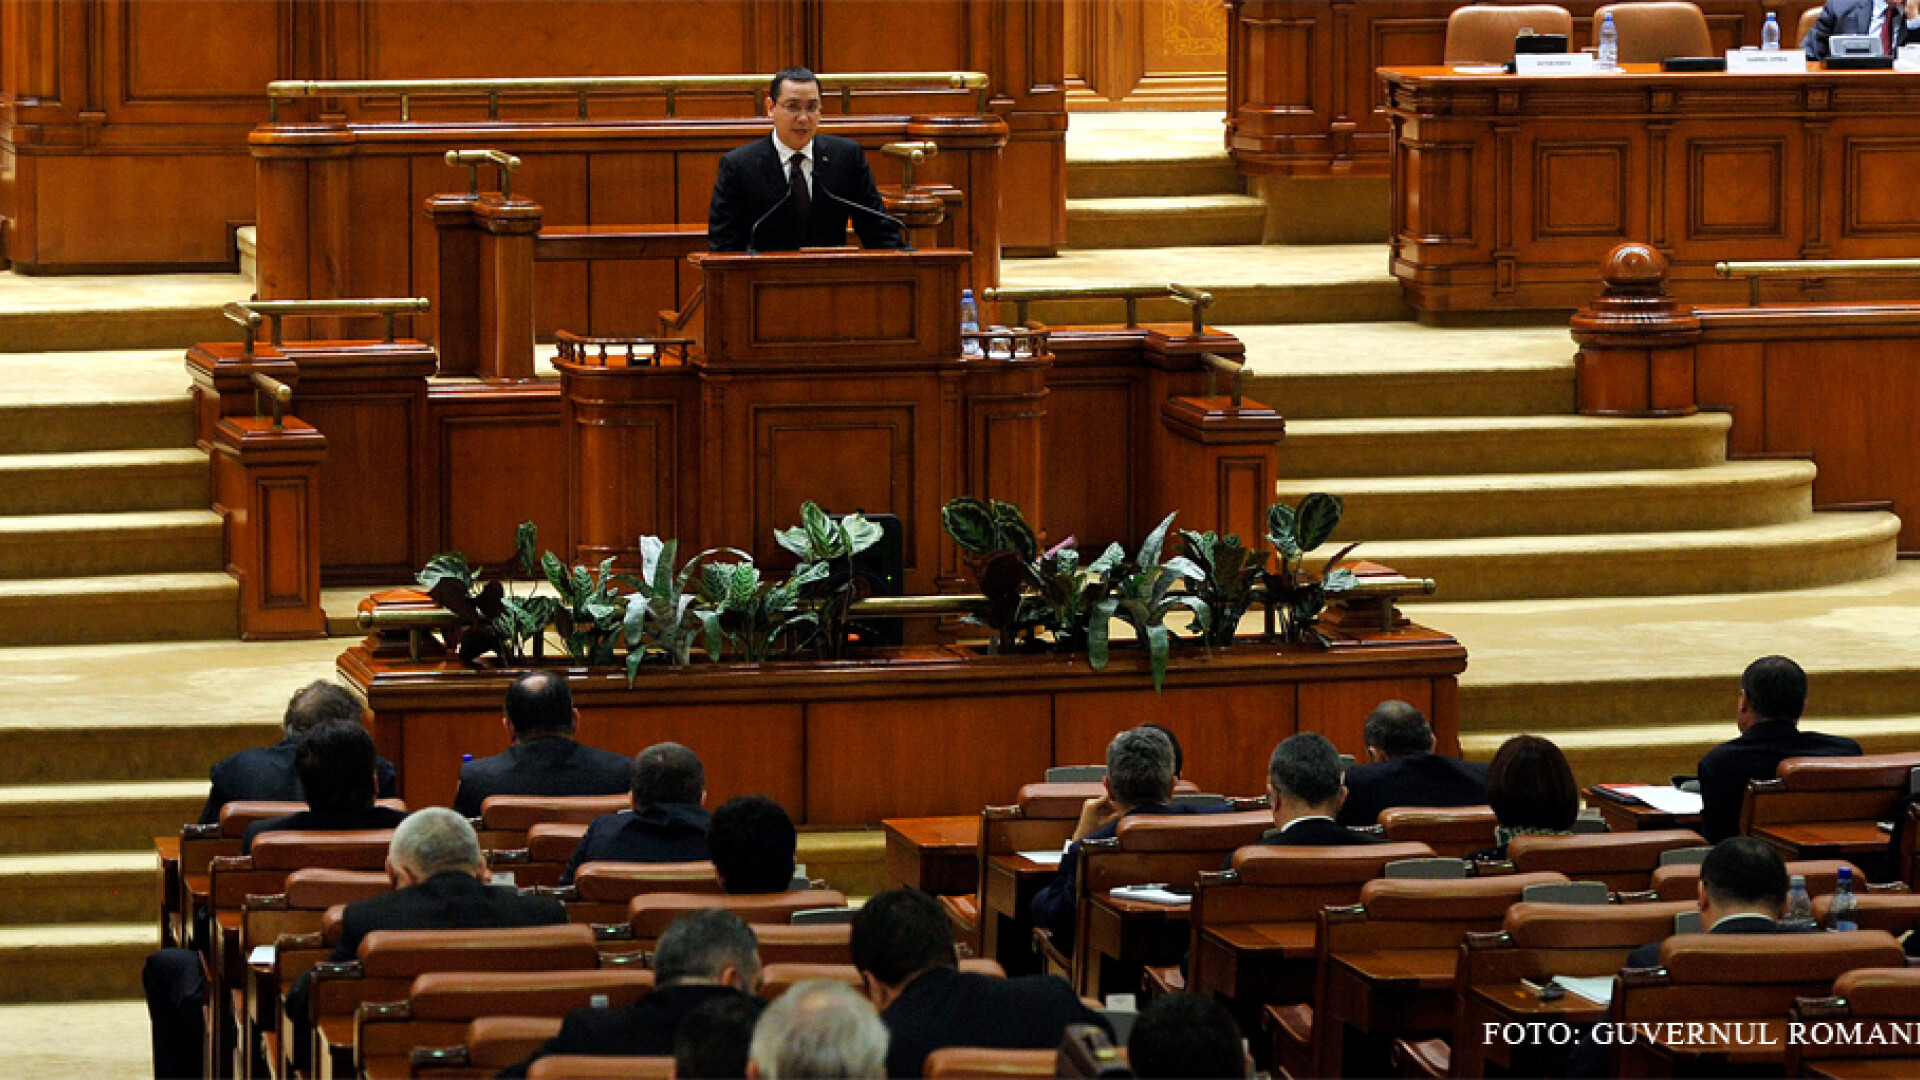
pixel 1624 862
pixel 491 1044
pixel 1830 808
pixel 1860 998
pixel 505 819
pixel 1457 831
pixel 440 1005
pixel 1652 30
pixel 1750 978
pixel 1076 774
pixel 1682 882
pixel 816 943
pixel 603 891
pixel 1579 893
pixel 979 1063
pixel 1435 869
pixel 1484 33
pixel 649 915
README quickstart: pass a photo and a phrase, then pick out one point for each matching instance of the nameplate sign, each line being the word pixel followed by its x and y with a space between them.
pixel 1760 62
pixel 1553 64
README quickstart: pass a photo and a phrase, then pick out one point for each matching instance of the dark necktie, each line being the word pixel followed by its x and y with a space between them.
pixel 1894 11
pixel 797 183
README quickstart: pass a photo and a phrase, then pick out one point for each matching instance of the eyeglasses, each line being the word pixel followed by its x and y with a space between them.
pixel 794 107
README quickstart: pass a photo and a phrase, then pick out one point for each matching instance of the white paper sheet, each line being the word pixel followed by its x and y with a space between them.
pixel 1595 988
pixel 261 956
pixel 1151 894
pixel 1669 800
pixel 1044 858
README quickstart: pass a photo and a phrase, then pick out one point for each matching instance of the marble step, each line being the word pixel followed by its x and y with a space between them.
pixel 1452 446
pixel 167 478
pixel 67 427
pixel 117 311
pixel 1251 284
pixel 1822 549
pixel 140 607
pixel 87 888
pixel 121 816
pixel 1727 495
pixel 1189 174
pixel 117 748
pixel 134 542
pixel 1388 369
pixel 64 962
pixel 1164 221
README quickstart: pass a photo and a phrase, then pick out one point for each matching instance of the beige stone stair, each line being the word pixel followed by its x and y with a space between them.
pixel 1136 181
pixel 152 478
pixel 69 962
pixel 1250 284
pixel 119 816
pixel 1448 446
pixel 130 542
pixel 100 887
pixel 1155 221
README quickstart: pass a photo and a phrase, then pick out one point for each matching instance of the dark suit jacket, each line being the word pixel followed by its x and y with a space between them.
pixel 751 183
pixel 944 1007
pixel 1755 755
pixel 266 773
pixel 1414 780
pixel 543 766
pixel 1053 906
pixel 645 1028
pixel 1317 832
pixel 663 832
pixel 1850 17
pixel 450 901
pixel 371 817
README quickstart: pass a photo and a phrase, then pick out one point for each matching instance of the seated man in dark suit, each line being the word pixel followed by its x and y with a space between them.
pixel 667 822
pixel 797 188
pixel 904 949
pixel 703 956
pixel 266 773
pixel 1402 770
pixel 1743 890
pixel 1187 1035
pixel 544 759
pixel 712 1041
pixel 1303 783
pixel 440 883
pixel 752 842
pixel 1894 22
pixel 1773 693
pixel 335 763
pixel 1139 781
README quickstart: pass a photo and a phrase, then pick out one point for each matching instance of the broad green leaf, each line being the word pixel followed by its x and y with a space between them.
pixel 970 523
pixel 1108 559
pixel 710 620
pixel 1098 631
pixel 1319 516
pixel 1156 638
pixel 1150 550
pixel 1200 545
pixel 525 540
pixel 859 533
pixel 446 566
pixel 557 576
pixel 1282 530
pixel 1339 580
pixel 1184 567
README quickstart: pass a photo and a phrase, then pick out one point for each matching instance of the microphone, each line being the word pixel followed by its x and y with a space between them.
pixel 751 233
pixel 881 214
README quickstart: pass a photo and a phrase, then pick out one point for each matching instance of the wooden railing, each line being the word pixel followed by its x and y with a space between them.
pixel 1197 301
pixel 1813 270
pixel 248 314
pixel 583 89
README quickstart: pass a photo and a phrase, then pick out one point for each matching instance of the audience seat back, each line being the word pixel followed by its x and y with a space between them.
pixel 1746 976
pixel 595 1067
pixel 979 1063
pixel 1807 19
pixel 239 815
pixel 778 977
pixel 1881 992
pixel 602 891
pixel 1452 831
pixel 519 813
pixel 651 913
pixel 1683 882
pixel 1895 913
pixel 1625 862
pixel 826 943
pixel 1652 30
pixel 1484 33
pixel 491 1045
pixel 439 1006
pixel 1822 789
pixel 1861 1000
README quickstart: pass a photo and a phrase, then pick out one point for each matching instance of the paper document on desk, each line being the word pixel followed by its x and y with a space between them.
pixel 261 956
pixel 1595 988
pixel 1152 894
pixel 1667 800
pixel 1044 858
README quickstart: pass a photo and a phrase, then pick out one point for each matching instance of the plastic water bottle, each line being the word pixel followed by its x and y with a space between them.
pixel 1609 58
pixel 969 323
pixel 1799 906
pixel 1844 912
pixel 1770 34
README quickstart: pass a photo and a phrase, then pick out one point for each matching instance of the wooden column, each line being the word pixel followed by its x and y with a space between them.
pixel 1636 341
pixel 455 319
pixel 1219 464
pixel 507 227
pixel 266 484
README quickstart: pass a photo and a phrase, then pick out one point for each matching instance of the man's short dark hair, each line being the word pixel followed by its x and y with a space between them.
pixel 790 74
pixel 335 764
pixel 540 702
pixel 701 944
pixel 317 703
pixel 1179 755
pixel 1307 767
pixel 900 934
pixel 1744 870
pixel 1186 1035
pixel 751 841
pixel 712 1041
pixel 668 773
pixel 1776 688
pixel 1397 729
pixel 1140 766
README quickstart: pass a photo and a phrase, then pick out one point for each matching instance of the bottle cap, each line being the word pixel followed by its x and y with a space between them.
pixel 1799 881
pixel 1846 873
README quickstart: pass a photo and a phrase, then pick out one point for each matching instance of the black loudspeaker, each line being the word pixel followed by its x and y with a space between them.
pixel 881 571
pixel 1694 63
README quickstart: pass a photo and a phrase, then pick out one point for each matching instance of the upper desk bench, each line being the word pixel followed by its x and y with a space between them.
pixel 1509 190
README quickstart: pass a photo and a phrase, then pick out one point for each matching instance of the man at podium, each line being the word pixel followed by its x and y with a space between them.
pixel 796 188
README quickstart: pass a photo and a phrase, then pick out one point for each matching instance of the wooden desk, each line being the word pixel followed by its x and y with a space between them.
pixel 1008 886
pixel 171 896
pixel 1248 962
pixel 937 855
pixel 1388 994
pixel 1761 1042
pixel 1863 843
pixel 1509 191
pixel 1123 936
pixel 1516 1003
pixel 1637 817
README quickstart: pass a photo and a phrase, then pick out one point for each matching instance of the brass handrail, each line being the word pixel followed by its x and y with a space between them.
pixel 277 392
pixel 1814 268
pixel 1233 369
pixel 910 155
pixel 1196 300
pixel 248 314
pixel 581 349
pixel 504 165
pixel 581 87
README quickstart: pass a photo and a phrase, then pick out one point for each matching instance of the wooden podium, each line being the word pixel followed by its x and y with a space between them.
pixel 835 376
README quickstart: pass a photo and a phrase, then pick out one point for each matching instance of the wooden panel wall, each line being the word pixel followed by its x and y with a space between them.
pixel 1302 99
pixel 111 108
pixel 1146 54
